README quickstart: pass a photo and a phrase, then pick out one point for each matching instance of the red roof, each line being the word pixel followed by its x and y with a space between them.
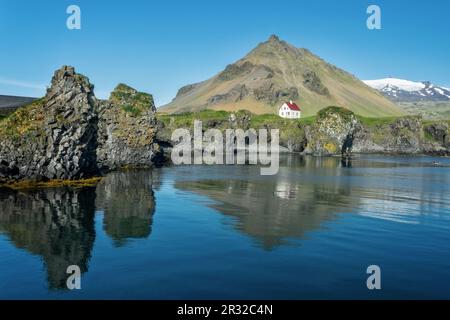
pixel 293 106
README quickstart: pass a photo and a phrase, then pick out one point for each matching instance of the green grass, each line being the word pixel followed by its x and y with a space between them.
pixel 256 121
pixel 131 109
pixel 130 100
pixel 376 122
pixel 25 119
pixel 263 119
pixel 345 113
pixel 428 136
pixel 187 118
pixel 307 120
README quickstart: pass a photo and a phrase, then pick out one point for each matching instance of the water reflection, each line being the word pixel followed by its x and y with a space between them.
pixel 56 224
pixel 309 191
pixel 128 202
pixel 273 210
pixel 59 225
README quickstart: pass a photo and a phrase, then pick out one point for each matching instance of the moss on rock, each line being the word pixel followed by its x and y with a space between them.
pixel 131 101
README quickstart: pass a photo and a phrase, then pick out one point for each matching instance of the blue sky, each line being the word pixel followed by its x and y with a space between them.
pixel 158 46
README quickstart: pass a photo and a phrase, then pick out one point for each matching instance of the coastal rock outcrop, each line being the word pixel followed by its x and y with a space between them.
pixel 406 135
pixel 70 134
pixel 55 137
pixel 332 132
pixel 339 131
pixel 127 130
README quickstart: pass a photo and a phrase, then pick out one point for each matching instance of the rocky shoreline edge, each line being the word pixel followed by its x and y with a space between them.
pixel 71 138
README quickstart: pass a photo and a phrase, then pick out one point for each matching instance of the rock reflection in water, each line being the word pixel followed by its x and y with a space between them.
pixel 56 224
pixel 128 202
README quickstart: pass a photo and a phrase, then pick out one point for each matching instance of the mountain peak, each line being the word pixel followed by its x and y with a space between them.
pixel 274 38
pixel 274 72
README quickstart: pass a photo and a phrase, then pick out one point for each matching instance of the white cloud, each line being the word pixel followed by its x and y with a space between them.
pixel 22 84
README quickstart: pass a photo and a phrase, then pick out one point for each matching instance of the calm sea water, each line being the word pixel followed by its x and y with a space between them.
pixel 226 232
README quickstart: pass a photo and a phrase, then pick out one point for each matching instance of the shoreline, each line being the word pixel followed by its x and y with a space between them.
pixel 29 184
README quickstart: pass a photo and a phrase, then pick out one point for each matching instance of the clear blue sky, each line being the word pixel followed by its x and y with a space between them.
pixel 158 46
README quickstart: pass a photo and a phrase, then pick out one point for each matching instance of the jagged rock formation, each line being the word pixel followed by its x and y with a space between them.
pixel 126 135
pixel 69 134
pixel 54 138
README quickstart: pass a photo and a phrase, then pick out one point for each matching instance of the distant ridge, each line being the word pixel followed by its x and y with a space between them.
pixel 14 102
pixel 275 72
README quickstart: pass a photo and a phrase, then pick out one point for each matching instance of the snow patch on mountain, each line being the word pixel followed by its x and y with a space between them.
pixel 401 84
pixel 400 90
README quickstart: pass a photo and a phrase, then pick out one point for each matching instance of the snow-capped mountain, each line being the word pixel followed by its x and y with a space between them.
pixel 400 90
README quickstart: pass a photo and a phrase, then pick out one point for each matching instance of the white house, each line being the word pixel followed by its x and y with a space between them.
pixel 290 110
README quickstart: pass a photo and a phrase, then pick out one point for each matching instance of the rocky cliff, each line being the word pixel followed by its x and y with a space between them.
pixel 127 130
pixel 339 131
pixel 70 134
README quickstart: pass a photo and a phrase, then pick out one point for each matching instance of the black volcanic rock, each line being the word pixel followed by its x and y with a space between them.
pixel 69 134
pixel 60 142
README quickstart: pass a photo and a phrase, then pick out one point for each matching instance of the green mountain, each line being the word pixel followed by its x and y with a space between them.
pixel 274 72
